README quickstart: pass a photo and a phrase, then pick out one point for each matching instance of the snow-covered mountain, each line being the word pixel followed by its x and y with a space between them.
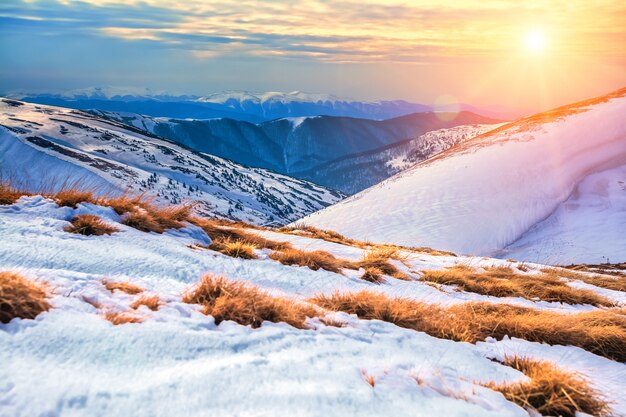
pixel 40 144
pixel 549 187
pixel 342 153
pixel 238 105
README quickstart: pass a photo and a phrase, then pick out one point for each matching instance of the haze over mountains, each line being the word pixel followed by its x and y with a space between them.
pixel 548 188
pixel 242 105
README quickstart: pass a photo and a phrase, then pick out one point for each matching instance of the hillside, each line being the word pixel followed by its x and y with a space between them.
pixel 341 153
pixel 42 145
pixel 524 190
pixel 105 319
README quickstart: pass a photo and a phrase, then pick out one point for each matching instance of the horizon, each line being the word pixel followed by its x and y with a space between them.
pixel 528 58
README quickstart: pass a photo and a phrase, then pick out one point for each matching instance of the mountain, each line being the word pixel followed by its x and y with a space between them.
pixel 41 144
pixel 238 105
pixel 342 153
pixel 548 187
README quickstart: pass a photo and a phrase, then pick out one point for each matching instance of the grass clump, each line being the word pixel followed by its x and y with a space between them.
pixel 315 260
pixel 20 297
pixel 90 225
pixel 234 248
pixel 611 279
pixel 374 275
pixel 379 259
pixel 117 317
pixel 245 304
pixel 504 282
pixel 599 332
pixel 153 302
pixel 550 391
pixel 219 230
pixel 71 197
pixel 126 287
pixel 9 194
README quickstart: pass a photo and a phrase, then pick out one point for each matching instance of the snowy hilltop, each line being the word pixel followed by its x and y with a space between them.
pixel 547 188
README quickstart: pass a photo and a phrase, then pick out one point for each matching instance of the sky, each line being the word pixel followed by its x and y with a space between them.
pixel 530 55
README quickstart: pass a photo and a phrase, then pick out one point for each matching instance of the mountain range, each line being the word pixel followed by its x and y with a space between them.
pixel 242 105
pixel 343 153
pixel 43 145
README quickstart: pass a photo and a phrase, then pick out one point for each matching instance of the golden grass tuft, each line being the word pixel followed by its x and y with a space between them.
pixel 245 304
pixel 615 281
pixel 600 332
pixel 118 317
pixel 551 391
pixel 379 259
pixel 90 225
pixel 71 197
pixel 371 381
pixel 315 260
pixel 234 248
pixel 153 302
pixel 20 297
pixel 505 282
pixel 219 230
pixel 374 275
pixel 126 287
pixel 9 194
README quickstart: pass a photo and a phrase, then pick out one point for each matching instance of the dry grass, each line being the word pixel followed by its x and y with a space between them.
pixel 368 378
pixel 504 282
pixel 153 302
pixel 245 304
pixel 550 391
pixel 71 197
pixel 614 281
pixel 220 230
pixel 599 332
pixel 9 194
pixel 234 248
pixel 126 287
pixel 117 317
pixel 90 225
pixel 334 237
pixel 374 275
pixel 315 260
pixel 379 259
pixel 20 297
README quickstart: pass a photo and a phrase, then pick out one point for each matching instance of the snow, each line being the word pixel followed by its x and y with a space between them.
pixel 178 362
pixel 484 195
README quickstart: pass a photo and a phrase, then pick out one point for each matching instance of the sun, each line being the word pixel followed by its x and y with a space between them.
pixel 535 41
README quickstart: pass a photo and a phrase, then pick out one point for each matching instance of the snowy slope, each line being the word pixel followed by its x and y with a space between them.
pixel 40 144
pixel 178 362
pixel 484 195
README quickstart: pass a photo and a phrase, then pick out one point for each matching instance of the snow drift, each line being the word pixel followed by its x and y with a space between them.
pixel 484 195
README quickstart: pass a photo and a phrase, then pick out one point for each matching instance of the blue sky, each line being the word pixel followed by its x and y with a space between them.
pixel 419 50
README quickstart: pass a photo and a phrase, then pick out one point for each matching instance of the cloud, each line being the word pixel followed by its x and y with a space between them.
pixel 338 31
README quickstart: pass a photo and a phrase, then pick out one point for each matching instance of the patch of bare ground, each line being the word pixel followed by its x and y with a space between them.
pixel 505 282
pixel 126 287
pixel 90 225
pixel 600 332
pixel 551 391
pixel 21 297
pixel 245 304
pixel 609 279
